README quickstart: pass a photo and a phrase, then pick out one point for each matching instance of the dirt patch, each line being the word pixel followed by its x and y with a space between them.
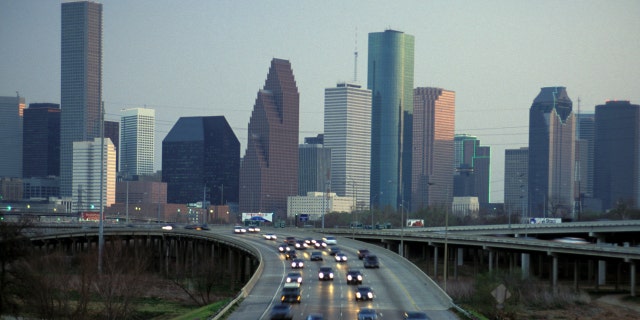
pixel 605 307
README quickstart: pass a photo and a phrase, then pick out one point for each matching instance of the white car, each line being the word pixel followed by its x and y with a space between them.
pixel 330 240
pixel 270 236
pixel 239 230
pixel 254 229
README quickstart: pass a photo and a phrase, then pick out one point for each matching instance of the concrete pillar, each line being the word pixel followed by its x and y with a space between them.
pixel 632 276
pixel 602 272
pixel 554 273
pixel 460 256
pixel 525 265
pixel 576 277
pixel 490 261
pixel 435 262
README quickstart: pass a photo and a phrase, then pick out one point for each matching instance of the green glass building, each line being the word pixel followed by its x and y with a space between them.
pixel 390 79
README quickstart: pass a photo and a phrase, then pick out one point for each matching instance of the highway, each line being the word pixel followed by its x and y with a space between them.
pixel 398 285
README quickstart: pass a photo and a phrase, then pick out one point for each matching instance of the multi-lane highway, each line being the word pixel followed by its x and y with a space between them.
pixel 398 285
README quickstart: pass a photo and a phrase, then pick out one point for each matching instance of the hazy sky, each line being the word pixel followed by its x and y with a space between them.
pixel 205 58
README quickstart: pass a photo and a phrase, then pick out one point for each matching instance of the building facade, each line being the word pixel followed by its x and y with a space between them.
pixel 585 144
pixel 11 117
pixel 433 148
pixel 314 167
pixel 137 130
pixel 41 141
pixel 390 79
pixel 473 168
pixel 88 164
pixel 617 154
pixel 201 161
pixel 551 154
pixel 269 172
pixel 347 132
pixel 81 82
pixel 314 204
pixel 516 181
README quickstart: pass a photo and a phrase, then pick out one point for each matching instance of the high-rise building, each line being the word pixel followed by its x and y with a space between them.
pixel 41 140
pixel 314 165
pixel 472 165
pixel 81 82
pixel 269 171
pixel 201 161
pixel 137 127
pixel 551 154
pixel 433 148
pixel 516 172
pixel 112 131
pixel 11 112
pixel 87 164
pixel 617 154
pixel 347 132
pixel 585 135
pixel 390 79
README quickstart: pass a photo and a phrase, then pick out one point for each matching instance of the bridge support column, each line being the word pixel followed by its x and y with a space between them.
pixel 490 261
pixel 554 273
pixel 632 276
pixel 435 262
pixel 602 272
pixel 525 265
pixel 576 277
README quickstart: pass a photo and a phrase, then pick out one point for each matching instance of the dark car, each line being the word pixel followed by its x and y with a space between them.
pixel 362 253
pixel 315 316
pixel 291 254
pixel 316 256
pixel 319 244
pixel 281 311
pixel 297 263
pixel 415 315
pixel 325 273
pixel 290 241
pixel 294 277
pixel 364 293
pixel 291 293
pixel 367 314
pixel 301 245
pixel 354 276
pixel 333 250
pixel 371 261
pixel 284 248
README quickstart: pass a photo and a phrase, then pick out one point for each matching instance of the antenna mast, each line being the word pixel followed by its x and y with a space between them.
pixel 355 57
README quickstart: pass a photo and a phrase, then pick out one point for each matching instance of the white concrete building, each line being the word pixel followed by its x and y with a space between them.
pixel 315 203
pixel 465 206
pixel 86 175
pixel 137 137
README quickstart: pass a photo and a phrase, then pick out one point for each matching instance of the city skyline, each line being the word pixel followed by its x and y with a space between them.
pixel 208 58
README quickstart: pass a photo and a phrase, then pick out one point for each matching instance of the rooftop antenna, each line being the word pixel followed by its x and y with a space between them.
pixel 355 57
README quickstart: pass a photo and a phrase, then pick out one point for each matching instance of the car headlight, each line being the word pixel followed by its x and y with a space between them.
pixel 288 279
pixel 301 264
pixel 320 275
pixel 358 295
pixel 370 295
pixel 349 277
pixel 331 275
pixel 300 280
pixel 360 278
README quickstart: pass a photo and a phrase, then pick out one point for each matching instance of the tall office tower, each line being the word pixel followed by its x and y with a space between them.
pixel 551 154
pixel 390 79
pixel 137 129
pixel 41 140
pixel 472 166
pixel 81 82
pixel 314 166
pixel 617 154
pixel 112 131
pixel 433 147
pixel 86 175
pixel 201 161
pixel 516 177
pixel 585 135
pixel 269 171
pixel 347 132
pixel 11 110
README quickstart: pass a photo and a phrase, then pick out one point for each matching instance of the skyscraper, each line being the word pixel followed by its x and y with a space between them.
pixel 617 154
pixel 81 81
pixel 516 171
pixel 201 159
pixel 390 79
pixel 137 132
pixel 314 165
pixel 551 154
pixel 472 165
pixel 41 136
pixel 87 164
pixel 585 135
pixel 347 132
pixel 112 131
pixel 11 112
pixel 269 171
pixel 433 148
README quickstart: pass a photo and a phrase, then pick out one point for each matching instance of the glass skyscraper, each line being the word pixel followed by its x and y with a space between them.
pixel 41 136
pixel 390 79
pixel 137 134
pixel 551 154
pixel 81 81
pixel 11 112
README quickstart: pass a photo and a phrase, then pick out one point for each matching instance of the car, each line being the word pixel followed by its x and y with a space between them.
pixel 281 312
pixel 333 250
pixel 341 257
pixel 364 293
pixel 294 277
pixel 291 293
pixel 371 261
pixel 316 256
pixel 572 240
pixel 290 241
pixel 325 273
pixel 167 227
pixel 415 315
pixel 297 263
pixel 354 276
pixel 291 254
pixel 367 314
pixel 315 316
pixel 319 244
pixel 362 253
pixel 330 239
pixel 253 229
pixel 308 241
pixel 301 245
pixel 239 230
pixel 284 248
pixel 270 236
